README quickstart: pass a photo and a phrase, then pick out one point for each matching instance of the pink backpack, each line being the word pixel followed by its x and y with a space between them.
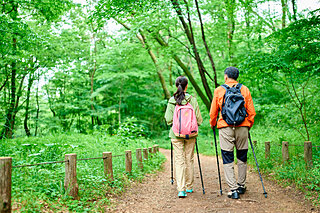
pixel 184 121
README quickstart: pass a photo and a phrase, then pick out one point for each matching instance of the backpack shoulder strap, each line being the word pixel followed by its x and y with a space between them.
pixel 189 99
pixel 184 99
pixel 239 86
pixel 225 86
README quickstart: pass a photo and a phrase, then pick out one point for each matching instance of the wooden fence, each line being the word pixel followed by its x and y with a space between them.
pixel 285 151
pixel 70 180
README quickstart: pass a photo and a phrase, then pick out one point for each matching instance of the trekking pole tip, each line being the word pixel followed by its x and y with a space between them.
pixel 265 194
pixel 203 191
pixel 220 192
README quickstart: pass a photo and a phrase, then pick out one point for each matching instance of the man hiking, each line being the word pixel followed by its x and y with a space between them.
pixel 234 102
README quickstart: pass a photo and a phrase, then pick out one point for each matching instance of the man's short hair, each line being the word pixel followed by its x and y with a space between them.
pixel 232 72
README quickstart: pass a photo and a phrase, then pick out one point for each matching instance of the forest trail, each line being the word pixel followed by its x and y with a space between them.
pixel 156 194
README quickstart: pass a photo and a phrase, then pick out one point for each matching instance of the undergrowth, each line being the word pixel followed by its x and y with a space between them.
pixel 41 188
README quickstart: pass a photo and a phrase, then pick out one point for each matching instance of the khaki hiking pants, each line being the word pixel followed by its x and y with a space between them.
pixel 238 137
pixel 183 150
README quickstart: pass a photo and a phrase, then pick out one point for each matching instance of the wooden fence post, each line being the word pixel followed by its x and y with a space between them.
pixel 285 151
pixel 267 149
pixel 154 149
pixel 255 143
pixel 5 184
pixel 308 154
pixel 70 181
pixel 145 153
pixel 150 150
pixel 157 148
pixel 139 158
pixel 107 163
pixel 128 161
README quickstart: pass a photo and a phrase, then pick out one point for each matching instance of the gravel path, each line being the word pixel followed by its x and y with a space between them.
pixel 156 194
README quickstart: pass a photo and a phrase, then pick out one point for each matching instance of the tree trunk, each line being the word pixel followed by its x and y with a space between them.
pixel 294 8
pixel 170 73
pixel 120 104
pixel 38 107
pixel 231 27
pixel 143 40
pixel 50 103
pixel 91 79
pixel 163 43
pixel 25 123
pixel 9 118
pixel 284 12
pixel 205 100
pixel 187 72
pixel 206 46
pixel 9 124
pixel 190 36
pixel 19 94
pixel 98 121
pixel 247 20
pixel 5 82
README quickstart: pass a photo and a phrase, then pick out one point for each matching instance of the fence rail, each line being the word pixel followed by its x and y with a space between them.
pixel 285 151
pixel 297 145
pixel 70 181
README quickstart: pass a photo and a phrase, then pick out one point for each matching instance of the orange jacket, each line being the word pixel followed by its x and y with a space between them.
pixel 216 106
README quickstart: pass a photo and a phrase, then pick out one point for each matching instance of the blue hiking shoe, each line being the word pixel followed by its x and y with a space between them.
pixel 182 194
pixel 189 190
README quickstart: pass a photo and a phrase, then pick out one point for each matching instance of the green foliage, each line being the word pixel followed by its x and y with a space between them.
pixel 294 172
pixel 286 75
pixel 41 188
pixel 131 129
pixel 89 73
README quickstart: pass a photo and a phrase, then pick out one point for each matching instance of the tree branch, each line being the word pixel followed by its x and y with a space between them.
pixel 5 82
pixel 271 26
pixel 206 46
pixel 143 41
pixel 188 49
pixel 191 39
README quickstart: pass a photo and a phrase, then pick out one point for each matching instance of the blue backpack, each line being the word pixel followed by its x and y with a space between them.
pixel 233 110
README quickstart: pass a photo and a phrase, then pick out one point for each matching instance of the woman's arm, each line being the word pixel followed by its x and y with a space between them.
pixel 197 111
pixel 169 113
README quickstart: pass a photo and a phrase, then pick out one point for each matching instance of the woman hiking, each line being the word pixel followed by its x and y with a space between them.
pixel 184 116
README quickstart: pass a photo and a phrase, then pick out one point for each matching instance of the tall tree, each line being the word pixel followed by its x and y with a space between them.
pixel 18 34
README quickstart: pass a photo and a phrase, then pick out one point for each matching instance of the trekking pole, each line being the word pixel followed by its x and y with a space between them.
pixel 172 164
pixel 171 156
pixel 215 142
pixel 200 168
pixel 264 191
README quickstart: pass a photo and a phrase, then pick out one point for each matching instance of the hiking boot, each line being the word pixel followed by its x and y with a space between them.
pixel 189 190
pixel 241 189
pixel 233 194
pixel 182 194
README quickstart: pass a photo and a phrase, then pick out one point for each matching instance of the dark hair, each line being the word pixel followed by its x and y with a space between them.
pixel 181 83
pixel 232 72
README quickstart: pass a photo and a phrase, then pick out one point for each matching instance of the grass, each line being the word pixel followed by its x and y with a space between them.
pixel 41 188
pixel 293 173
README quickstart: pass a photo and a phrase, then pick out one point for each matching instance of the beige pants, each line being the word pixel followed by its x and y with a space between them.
pixel 230 137
pixel 183 150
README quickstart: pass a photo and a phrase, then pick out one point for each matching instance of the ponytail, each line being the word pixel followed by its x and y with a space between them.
pixel 181 83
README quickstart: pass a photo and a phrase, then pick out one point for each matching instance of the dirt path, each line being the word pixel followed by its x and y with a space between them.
pixel 156 194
